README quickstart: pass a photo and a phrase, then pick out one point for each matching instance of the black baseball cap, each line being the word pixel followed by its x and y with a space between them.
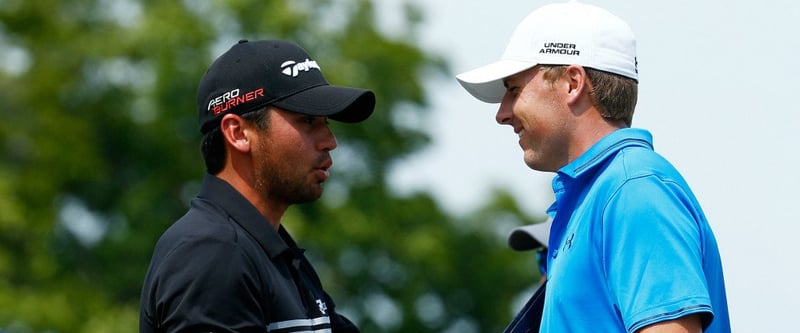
pixel 254 74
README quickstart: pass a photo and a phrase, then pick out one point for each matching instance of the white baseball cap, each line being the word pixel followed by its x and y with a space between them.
pixel 529 237
pixel 558 34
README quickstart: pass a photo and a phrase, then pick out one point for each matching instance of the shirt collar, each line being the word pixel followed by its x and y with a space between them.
pixel 242 212
pixel 589 161
pixel 607 146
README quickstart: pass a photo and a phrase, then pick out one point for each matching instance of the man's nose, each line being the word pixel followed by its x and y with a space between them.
pixel 328 141
pixel 503 116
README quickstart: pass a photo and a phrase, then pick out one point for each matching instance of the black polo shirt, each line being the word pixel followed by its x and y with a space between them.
pixel 223 268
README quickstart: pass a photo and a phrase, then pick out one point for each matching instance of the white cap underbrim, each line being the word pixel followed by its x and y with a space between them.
pixel 486 83
pixel 531 236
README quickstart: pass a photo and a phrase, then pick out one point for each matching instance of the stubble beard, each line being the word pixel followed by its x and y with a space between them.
pixel 279 180
pixel 274 186
pixel 547 152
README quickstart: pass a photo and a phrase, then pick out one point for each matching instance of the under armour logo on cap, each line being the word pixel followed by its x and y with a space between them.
pixel 558 34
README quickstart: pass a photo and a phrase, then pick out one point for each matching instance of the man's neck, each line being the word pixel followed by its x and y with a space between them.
pixel 271 210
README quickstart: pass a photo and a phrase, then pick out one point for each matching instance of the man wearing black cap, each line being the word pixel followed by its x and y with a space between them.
pixel 228 265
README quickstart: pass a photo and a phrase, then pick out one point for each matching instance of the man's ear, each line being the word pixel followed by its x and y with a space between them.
pixel 234 130
pixel 578 82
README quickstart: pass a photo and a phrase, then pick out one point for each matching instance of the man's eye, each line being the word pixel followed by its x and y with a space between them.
pixel 513 91
pixel 311 120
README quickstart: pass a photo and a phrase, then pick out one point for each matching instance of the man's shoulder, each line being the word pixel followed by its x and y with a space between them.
pixel 203 220
pixel 635 162
pixel 203 226
pixel 632 168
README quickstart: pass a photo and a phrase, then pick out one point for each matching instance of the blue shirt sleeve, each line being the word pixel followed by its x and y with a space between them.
pixel 652 253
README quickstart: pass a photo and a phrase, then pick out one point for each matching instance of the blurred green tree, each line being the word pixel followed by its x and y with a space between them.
pixel 100 154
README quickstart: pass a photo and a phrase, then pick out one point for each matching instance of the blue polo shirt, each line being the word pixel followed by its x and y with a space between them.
pixel 630 245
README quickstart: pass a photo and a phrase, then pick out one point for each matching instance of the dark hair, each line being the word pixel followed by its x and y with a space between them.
pixel 614 95
pixel 213 150
pixel 213 145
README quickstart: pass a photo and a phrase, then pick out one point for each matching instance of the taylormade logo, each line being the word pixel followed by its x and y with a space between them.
pixel 560 48
pixel 293 68
pixel 323 308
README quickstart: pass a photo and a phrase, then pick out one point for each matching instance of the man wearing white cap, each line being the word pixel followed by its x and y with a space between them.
pixel 630 249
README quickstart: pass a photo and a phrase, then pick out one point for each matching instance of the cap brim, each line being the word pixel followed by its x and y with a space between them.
pixel 486 83
pixel 345 104
pixel 530 237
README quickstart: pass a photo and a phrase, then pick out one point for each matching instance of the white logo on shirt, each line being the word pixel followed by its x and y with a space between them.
pixel 322 306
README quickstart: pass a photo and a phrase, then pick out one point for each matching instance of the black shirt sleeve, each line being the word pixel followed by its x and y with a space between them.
pixel 205 285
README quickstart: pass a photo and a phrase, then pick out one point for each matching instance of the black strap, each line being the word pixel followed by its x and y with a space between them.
pixel 530 317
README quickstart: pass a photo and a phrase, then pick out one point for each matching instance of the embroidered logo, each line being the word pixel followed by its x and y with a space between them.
pixel 231 99
pixel 560 48
pixel 568 242
pixel 323 308
pixel 293 68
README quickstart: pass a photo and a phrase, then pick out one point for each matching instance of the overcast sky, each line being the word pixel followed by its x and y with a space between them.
pixel 717 86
